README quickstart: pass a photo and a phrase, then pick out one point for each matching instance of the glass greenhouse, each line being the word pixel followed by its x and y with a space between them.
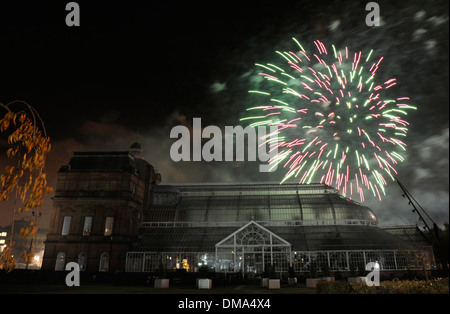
pixel 244 228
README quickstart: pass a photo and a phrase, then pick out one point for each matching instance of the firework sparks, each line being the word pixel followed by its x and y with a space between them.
pixel 338 124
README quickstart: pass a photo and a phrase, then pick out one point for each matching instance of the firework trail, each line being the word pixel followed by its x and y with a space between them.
pixel 336 124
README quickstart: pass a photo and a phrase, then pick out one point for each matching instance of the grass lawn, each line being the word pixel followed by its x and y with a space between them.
pixel 141 289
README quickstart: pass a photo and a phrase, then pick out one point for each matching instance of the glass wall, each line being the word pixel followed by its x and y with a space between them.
pixel 152 261
pixel 185 221
pixel 253 260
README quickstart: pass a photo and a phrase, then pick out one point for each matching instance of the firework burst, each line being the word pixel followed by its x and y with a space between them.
pixel 337 124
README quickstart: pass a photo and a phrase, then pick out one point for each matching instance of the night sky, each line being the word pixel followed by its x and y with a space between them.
pixel 135 69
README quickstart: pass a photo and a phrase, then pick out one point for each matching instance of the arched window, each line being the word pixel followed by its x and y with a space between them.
pixel 104 262
pixel 60 261
pixel 82 258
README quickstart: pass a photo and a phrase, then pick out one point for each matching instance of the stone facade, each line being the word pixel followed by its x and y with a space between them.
pixel 99 203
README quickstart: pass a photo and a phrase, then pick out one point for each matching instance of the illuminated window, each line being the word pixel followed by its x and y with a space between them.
pixel 82 261
pixel 87 225
pixel 66 225
pixel 104 262
pixel 109 226
pixel 3 234
pixel 60 261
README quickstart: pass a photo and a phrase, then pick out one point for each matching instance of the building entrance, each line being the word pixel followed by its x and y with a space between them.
pixel 250 249
pixel 252 260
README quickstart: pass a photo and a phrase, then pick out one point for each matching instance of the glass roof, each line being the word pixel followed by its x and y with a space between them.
pixel 259 202
pixel 194 218
pixel 302 238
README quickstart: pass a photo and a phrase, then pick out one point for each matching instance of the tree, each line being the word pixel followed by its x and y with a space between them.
pixel 272 273
pixel 203 272
pixel 440 247
pixel 326 269
pixel 24 177
pixel 313 269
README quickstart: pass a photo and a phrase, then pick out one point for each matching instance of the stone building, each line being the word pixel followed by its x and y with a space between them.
pixel 98 206
pixel 111 214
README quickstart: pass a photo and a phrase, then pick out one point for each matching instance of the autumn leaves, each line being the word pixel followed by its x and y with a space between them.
pixel 24 176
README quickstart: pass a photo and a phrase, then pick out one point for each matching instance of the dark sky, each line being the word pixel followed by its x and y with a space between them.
pixel 134 69
pixel 143 58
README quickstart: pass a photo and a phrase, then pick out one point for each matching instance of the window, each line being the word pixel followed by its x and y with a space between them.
pixel 109 226
pixel 60 261
pixel 104 262
pixel 82 261
pixel 87 225
pixel 66 225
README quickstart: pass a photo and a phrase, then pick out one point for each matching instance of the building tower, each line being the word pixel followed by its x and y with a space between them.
pixel 100 199
pixel 136 150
